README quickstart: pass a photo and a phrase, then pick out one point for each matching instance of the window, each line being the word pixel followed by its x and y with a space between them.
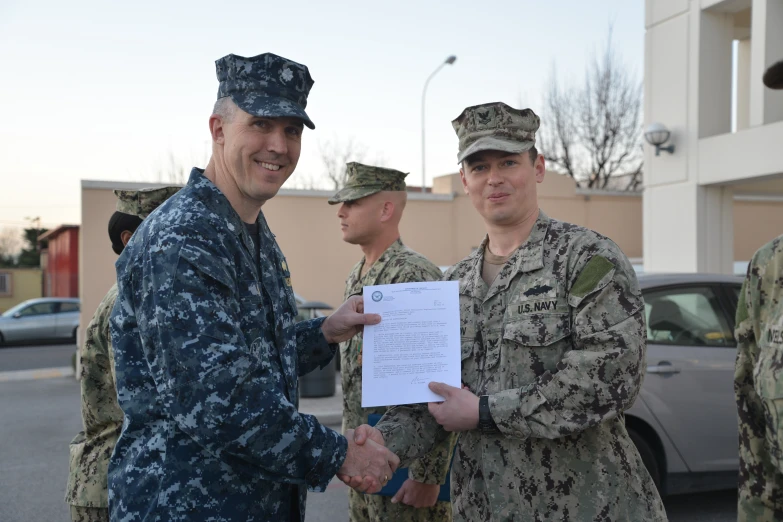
pixel 38 309
pixel 686 317
pixel 5 284
pixel 69 307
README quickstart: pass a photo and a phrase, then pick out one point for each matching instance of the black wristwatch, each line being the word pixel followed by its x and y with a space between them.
pixel 486 424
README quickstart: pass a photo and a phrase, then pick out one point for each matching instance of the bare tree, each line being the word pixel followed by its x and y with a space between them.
pixel 173 172
pixel 335 154
pixel 11 243
pixel 593 133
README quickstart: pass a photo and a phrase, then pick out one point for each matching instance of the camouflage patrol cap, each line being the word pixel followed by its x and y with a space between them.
pixel 266 85
pixel 773 78
pixel 495 126
pixel 364 180
pixel 142 202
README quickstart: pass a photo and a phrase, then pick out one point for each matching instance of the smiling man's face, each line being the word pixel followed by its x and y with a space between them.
pixel 502 186
pixel 260 154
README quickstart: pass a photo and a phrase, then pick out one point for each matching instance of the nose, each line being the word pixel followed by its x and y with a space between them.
pixel 341 211
pixel 494 177
pixel 277 142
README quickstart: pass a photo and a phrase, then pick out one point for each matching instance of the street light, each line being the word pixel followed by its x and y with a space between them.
pixel 450 60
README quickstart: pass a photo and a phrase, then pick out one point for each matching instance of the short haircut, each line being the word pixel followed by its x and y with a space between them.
pixel 118 223
pixel 225 108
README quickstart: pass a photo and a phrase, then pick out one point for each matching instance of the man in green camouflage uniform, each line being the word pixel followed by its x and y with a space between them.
pixel 101 415
pixel 758 378
pixel 371 206
pixel 553 353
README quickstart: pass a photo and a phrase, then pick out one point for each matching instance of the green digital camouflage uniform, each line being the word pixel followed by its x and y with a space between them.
pixel 557 343
pixel 102 417
pixel 758 384
pixel 398 264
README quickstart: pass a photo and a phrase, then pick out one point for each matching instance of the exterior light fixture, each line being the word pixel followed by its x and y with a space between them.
pixel 657 134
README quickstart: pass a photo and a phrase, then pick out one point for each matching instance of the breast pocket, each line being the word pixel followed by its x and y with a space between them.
pixel 536 343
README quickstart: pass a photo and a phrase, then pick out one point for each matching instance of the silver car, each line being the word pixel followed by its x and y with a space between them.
pixel 684 422
pixel 40 319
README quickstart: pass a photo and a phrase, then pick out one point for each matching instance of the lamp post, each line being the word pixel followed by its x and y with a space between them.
pixel 448 61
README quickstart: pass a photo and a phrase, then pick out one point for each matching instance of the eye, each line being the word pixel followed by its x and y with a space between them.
pixel 261 124
pixel 294 131
pixel 509 163
pixel 478 168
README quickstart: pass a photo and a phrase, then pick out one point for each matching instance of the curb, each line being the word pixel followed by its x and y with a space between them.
pixel 38 373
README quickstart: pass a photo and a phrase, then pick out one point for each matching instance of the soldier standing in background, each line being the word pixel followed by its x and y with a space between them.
pixel 371 207
pixel 102 417
pixel 758 377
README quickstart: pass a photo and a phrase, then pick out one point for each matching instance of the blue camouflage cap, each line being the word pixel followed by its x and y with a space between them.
pixel 266 85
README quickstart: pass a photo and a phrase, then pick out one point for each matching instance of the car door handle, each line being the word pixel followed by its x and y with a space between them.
pixel 663 368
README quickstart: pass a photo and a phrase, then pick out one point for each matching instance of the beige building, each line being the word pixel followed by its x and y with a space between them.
pixel 18 285
pixel 442 225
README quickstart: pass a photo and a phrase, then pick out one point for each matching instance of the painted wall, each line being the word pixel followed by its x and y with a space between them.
pixel 25 284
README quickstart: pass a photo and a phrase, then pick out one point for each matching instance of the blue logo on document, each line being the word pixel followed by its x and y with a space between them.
pixel 377 296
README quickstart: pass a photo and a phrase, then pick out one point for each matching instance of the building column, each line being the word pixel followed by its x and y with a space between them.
pixel 688 228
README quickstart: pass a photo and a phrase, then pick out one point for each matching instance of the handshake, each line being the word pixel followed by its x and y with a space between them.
pixel 368 465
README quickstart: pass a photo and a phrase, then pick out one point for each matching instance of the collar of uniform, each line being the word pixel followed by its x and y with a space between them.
pixel 527 258
pixel 375 270
pixel 221 208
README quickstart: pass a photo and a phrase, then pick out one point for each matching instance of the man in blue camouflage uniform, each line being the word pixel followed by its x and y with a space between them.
pixel 207 351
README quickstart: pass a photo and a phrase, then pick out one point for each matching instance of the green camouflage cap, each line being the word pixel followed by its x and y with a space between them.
pixel 495 126
pixel 364 180
pixel 773 77
pixel 142 202
pixel 266 85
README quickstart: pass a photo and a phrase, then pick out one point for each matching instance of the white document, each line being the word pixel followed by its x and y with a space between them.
pixel 416 342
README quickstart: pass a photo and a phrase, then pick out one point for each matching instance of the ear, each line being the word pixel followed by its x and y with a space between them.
pixel 387 211
pixel 216 129
pixel 540 167
pixel 125 236
pixel 462 178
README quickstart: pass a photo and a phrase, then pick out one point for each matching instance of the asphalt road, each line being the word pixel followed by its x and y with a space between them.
pixel 35 356
pixel 39 417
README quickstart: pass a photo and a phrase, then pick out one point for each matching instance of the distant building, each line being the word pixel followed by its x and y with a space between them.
pixel 60 262
pixel 17 285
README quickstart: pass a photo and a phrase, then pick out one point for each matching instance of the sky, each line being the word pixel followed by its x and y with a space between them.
pixel 110 90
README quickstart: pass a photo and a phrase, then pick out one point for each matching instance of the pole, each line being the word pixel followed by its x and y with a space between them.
pixel 423 155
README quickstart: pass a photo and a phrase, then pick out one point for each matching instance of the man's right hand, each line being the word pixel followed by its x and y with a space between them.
pixel 368 465
pixel 360 436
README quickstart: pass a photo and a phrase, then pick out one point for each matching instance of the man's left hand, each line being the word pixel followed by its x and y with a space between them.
pixel 459 410
pixel 347 321
pixel 417 494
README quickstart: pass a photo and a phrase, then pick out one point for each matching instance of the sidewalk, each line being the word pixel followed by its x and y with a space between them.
pixel 328 410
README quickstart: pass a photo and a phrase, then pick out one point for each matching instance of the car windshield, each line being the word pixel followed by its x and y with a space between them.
pixel 11 311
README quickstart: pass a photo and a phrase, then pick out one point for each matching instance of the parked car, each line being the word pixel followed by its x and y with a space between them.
pixel 684 421
pixel 40 320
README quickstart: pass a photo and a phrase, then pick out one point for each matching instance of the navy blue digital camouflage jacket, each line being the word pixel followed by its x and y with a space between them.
pixel 207 356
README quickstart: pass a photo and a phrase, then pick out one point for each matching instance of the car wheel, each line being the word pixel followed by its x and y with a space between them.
pixel 73 336
pixel 648 457
pixel 2 341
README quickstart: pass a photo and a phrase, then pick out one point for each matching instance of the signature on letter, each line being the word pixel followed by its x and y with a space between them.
pixel 418 380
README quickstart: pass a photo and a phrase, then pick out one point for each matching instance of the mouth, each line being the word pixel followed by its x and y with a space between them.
pixel 269 166
pixel 497 197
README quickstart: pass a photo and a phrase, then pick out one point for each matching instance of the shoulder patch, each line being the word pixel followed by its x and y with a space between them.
pixel 591 275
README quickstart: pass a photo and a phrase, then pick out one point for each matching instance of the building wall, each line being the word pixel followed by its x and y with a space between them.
pixel 61 277
pixel 25 284
pixel 443 226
